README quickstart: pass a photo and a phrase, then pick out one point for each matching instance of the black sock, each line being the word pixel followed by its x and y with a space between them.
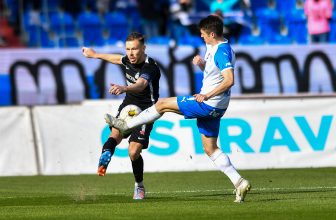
pixel 138 166
pixel 110 145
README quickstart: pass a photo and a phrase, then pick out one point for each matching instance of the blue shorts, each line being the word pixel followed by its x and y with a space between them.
pixel 208 117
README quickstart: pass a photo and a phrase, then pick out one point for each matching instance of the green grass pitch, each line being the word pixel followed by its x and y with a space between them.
pixel 276 194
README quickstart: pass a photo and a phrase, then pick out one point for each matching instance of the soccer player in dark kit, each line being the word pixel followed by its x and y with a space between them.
pixel 142 78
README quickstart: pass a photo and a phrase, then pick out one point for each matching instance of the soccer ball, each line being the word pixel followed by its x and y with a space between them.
pixel 129 111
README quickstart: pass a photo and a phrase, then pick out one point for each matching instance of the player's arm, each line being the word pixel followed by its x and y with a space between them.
pixel 137 87
pixel 112 58
pixel 225 85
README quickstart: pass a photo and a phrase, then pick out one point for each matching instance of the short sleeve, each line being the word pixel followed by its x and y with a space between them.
pixel 223 59
pixel 147 73
pixel 123 60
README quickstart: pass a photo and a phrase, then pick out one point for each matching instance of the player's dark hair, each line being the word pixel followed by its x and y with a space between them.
pixel 136 36
pixel 212 23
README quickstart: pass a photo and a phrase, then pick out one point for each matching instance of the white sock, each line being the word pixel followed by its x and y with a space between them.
pixel 146 116
pixel 139 184
pixel 222 161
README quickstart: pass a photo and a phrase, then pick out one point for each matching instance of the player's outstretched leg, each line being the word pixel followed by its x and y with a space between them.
pixel 116 123
pixel 104 161
pixel 242 187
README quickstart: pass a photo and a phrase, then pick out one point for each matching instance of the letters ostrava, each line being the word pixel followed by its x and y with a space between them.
pixel 302 72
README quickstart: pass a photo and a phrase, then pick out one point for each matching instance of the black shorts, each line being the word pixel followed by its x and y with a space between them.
pixel 140 134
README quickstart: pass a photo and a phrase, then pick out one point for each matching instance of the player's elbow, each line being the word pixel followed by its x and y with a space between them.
pixel 231 84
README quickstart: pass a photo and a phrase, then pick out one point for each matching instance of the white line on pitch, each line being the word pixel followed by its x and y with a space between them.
pixel 254 189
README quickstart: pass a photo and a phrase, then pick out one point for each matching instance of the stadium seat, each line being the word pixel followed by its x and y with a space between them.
pixel 62 24
pixel 194 41
pixel 117 25
pixel 332 37
pixel 32 25
pixel 258 4
pixel 278 39
pixel 46 40
pixel 284 6
pixel 111 41
pixel 91 27
pixel 251 40
pixel 68 41
pixel 135 22
pixel 268 21
pixel 296 23
pixel 161 40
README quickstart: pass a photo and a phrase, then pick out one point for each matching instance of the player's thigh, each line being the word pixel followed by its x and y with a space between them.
pixel 141 134
pixel 167 105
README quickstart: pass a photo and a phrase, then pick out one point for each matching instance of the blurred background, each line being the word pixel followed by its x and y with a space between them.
pixel 63 24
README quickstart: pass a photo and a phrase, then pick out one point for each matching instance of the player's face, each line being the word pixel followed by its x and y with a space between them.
pixel 135 51
pixel 207 37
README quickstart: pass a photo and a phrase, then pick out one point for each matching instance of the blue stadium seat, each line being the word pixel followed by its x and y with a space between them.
pixel 296 23
pixel 251 40
pixel 284 6
pixel 161 40
pixel 46 41
pixel 111 41
pixel 68 41
pixel 135 22
pixel 194 41
pixel 332 37
pixel 278 39
pixel 62 24
pixel 91 27
pixel 269 23
pixel 258 4
pixel 117 25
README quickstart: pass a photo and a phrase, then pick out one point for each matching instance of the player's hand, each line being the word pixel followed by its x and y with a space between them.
pixel 88 52
pixel 198 60
pixel 117 89
pixel 200 97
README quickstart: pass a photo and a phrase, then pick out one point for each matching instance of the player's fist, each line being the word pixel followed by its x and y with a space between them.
pixel 197 60
pixel 88 52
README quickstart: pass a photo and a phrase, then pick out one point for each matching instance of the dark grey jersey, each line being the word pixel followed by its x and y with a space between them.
pixel 147 70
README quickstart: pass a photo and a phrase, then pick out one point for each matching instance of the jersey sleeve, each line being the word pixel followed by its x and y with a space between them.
pixel 148 73
pixel 123 60
pixel 223 59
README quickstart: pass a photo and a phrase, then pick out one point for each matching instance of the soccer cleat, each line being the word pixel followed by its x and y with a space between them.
pixel 104 161
pixel 117 123
pixel 139 192
pixel 241 190
pixel 101 171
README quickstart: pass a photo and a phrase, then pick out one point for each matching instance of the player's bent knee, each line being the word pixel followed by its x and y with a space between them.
pixel 133 155
pixel 160 104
